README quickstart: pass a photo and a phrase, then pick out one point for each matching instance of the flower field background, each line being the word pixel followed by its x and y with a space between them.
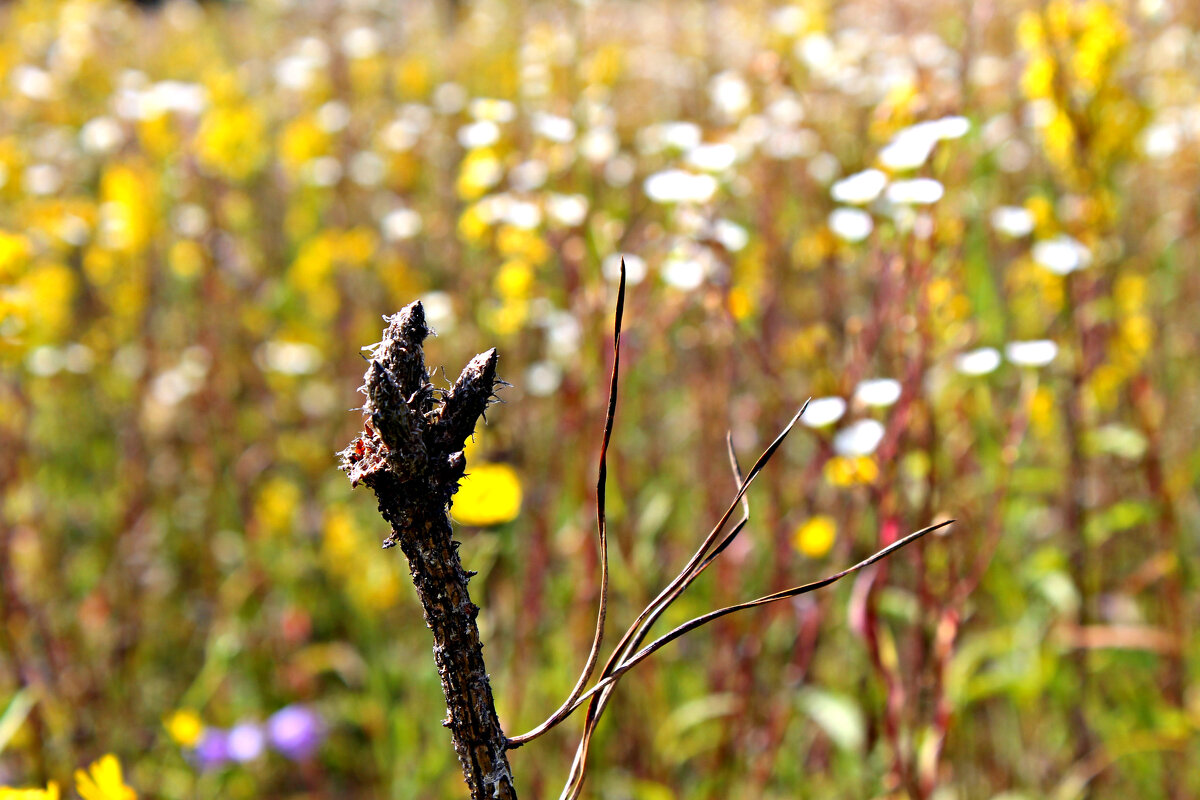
pixel 968 230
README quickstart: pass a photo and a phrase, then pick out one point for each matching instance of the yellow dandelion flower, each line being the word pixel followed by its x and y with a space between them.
pixel 103 781
pixel 816 536
pixel 489 495
pixel 49 793
pixel 184 726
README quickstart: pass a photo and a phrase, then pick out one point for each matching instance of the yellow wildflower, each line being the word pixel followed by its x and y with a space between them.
pixel 1059 136
pixel 514 280
pixel 231 141
pixel 185 727
pixel 1038 79
pixel 14 249
pixel 158 135
pixel 815 537
pixel 1045 223
pixel 126 196
pixel 517 242
pixel 507 318
pixel 413 77
pixel 741 303
pixel 480 171
pixel 302 141
pixel 1041 410
pixel 50 289
pixel 1030 33
pixel 103 781
pixel 489 495
pixel 851 470
pixel 472 226
pixel 49 793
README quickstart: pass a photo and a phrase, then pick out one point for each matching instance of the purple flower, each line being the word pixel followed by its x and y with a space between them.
pixel 246 742
pixel 295 731
pixel 212 750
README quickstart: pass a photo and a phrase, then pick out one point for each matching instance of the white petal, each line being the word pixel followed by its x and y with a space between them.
pixel 879 392
pixel 680 186
pixel 1061 255
pixel 823 411
pixel 1036 353
pixel 851 224
pixel 859 188
pixel 978 362
pixel 918 191
pixel 1013 221
pixel 858 438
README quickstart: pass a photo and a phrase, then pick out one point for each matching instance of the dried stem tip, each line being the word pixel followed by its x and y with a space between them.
pixel 410 454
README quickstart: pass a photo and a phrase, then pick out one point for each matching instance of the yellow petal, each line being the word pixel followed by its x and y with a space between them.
pixel 490 495
pixel 815 537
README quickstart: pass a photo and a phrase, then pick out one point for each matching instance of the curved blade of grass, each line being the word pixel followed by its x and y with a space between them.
pixel 602 534
pixel 795 591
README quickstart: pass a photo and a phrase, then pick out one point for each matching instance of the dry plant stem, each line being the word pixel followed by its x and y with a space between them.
pixel 624 658
pixel 410 454
pixel 637 632
pixel 795 591
pixel 603 689
pixel 602 534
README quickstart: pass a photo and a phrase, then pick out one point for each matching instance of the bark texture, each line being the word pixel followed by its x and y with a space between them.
pixel 410 454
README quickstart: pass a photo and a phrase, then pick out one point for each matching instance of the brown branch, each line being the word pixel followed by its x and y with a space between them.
pixel 410 454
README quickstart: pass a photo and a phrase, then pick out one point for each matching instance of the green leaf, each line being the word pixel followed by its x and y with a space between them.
pixel 1116 440
pixel 837 715
pixel 18 709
